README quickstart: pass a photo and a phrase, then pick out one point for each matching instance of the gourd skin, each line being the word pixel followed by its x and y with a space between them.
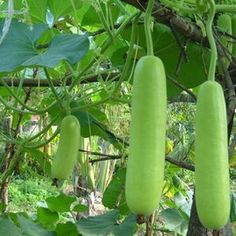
pixel 145 167
pixel 211 163
pixel 66 155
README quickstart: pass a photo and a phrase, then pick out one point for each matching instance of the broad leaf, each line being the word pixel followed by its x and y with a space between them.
pixel 108 224
pixel 90 126
pixel 114 195
pixel 69 47
pixel 68 229
pixel 173 221
pixel 46 217
pixel 8 228
pixel 29 228
pixel 80 208
pixel 61 8
pixel 19 49
pixel 60 203
pixel 36 9
pixel 18 45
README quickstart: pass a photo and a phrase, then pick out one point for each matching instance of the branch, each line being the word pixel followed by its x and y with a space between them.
pixel 168 17
pixel 106 157
pixel 56 82
pixel 177 84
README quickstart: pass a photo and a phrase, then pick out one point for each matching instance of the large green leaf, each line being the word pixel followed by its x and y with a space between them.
pixel 68 229
pixel 46 217
pixel 18 45
pixel 114 195
pixel 8 228
pixel 60 203
pixel 61 8
pixel 108 224
pixel 29 228
pixel 173 221
pixel 36 9
pixel 191 73
pixel 91 17
pixel 18 49
pixel 90 126
pixel 69 47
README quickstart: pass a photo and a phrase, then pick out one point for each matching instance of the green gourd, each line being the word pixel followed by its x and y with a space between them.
pixel 67 151
pixel 145 167
pixel 211 161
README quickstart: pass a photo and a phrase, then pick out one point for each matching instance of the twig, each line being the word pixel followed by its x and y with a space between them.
pixel 181 164
pixel 56 82
pixel 115 157
pixel 175 82
pixel 167 17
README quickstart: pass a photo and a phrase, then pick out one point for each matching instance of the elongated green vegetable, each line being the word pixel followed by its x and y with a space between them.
pixel 145 168
pixel 69 143
pixel 212 173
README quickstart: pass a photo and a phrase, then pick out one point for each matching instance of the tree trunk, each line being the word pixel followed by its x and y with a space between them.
pixel 195 228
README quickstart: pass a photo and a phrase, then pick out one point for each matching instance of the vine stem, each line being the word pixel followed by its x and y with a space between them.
pixel 209 31
pixel 147 27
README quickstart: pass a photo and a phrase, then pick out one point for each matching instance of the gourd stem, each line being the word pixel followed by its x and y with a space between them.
pixel 209 31
pixel 147 27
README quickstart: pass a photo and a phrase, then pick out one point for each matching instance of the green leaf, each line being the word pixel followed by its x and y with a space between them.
pixel 60 203
pixel 29 228
pixel 173 221
pixel 108 224
pixel 18 45
pixel 36 9
pixel 46 217
pixel 68 228
pixel 80 208
pixel 114 195
pixel 69 47
pixel 42 158
pixel 91 18
pixel 90 126
pixel 61 8
pixel 7 228
pixel 233 207
pixel 18 49
pixel 191 72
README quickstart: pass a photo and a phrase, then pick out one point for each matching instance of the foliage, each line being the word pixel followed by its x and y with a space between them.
pixel 78 57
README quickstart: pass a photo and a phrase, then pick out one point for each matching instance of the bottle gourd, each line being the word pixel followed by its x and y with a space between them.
pixel 211 164
pixel 67 152
pixel 145 167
